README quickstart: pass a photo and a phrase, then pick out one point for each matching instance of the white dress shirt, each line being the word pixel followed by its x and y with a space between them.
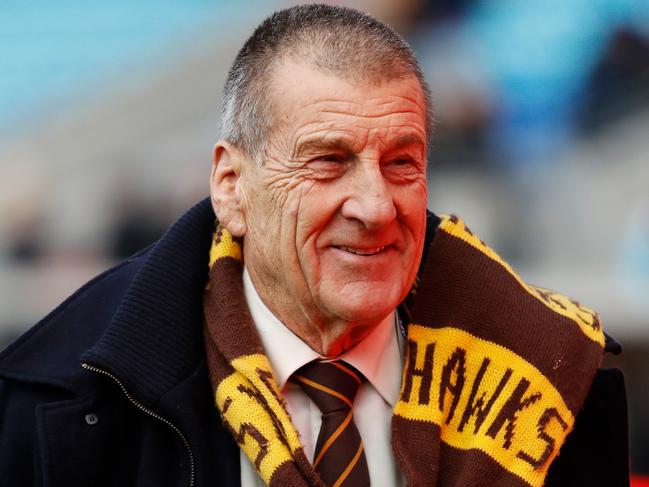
pixel 378 357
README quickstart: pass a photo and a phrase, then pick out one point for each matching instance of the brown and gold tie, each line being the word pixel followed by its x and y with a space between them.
pixel 339 458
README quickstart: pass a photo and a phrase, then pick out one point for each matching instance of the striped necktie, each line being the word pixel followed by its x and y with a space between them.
pixel 339 458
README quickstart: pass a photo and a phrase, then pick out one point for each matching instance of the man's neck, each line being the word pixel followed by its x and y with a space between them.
pixel 329 338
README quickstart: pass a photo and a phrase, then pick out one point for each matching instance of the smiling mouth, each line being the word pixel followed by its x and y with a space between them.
pixel 353 250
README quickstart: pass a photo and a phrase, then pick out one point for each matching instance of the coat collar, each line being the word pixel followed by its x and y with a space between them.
pixel 155 339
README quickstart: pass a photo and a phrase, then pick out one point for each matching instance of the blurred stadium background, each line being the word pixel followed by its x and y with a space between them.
pixel 109 110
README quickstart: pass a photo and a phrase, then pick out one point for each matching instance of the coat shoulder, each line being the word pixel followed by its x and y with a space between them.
pixel 596 451
pixel 51 348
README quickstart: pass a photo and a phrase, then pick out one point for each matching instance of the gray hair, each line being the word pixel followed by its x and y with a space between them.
pixel 336 40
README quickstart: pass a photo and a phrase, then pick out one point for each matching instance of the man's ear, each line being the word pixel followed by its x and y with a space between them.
pixel 225 187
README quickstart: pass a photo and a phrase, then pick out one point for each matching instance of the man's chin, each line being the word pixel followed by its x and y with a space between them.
pixel 365 309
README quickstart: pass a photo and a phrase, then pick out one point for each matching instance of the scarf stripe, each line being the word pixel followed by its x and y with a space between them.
pixel 246 393
pixel 493 364
pixel 584 317
pixel 477 294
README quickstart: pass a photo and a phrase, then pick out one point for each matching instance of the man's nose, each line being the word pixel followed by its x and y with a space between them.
pixel 370 200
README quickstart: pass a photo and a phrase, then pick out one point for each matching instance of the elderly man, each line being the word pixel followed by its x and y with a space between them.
pixel 327 329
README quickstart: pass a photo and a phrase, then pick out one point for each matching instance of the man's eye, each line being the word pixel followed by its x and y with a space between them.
pixel 401 161
pixel 327 166
pixel 330 158
pixel 327 162
pixel 402 168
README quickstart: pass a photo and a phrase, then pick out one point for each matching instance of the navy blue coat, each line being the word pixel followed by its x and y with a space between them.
pixel 111 388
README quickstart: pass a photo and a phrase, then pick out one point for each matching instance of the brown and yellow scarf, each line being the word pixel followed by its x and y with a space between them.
pixel 495 372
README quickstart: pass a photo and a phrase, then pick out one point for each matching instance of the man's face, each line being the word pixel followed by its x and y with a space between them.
pixel 335 214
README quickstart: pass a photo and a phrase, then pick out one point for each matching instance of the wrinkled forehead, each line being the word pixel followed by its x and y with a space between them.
pixel 300 93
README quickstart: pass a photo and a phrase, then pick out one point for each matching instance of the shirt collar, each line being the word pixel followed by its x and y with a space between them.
pixel 377 356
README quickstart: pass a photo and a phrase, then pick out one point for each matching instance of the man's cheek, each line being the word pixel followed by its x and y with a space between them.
pixel 288 235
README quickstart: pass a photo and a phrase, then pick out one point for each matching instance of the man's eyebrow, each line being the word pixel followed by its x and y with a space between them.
pixel 330 143
pixel 345 144
pixel 405 140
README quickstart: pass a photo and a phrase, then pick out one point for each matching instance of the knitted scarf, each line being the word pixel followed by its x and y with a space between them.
pixel 495 371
